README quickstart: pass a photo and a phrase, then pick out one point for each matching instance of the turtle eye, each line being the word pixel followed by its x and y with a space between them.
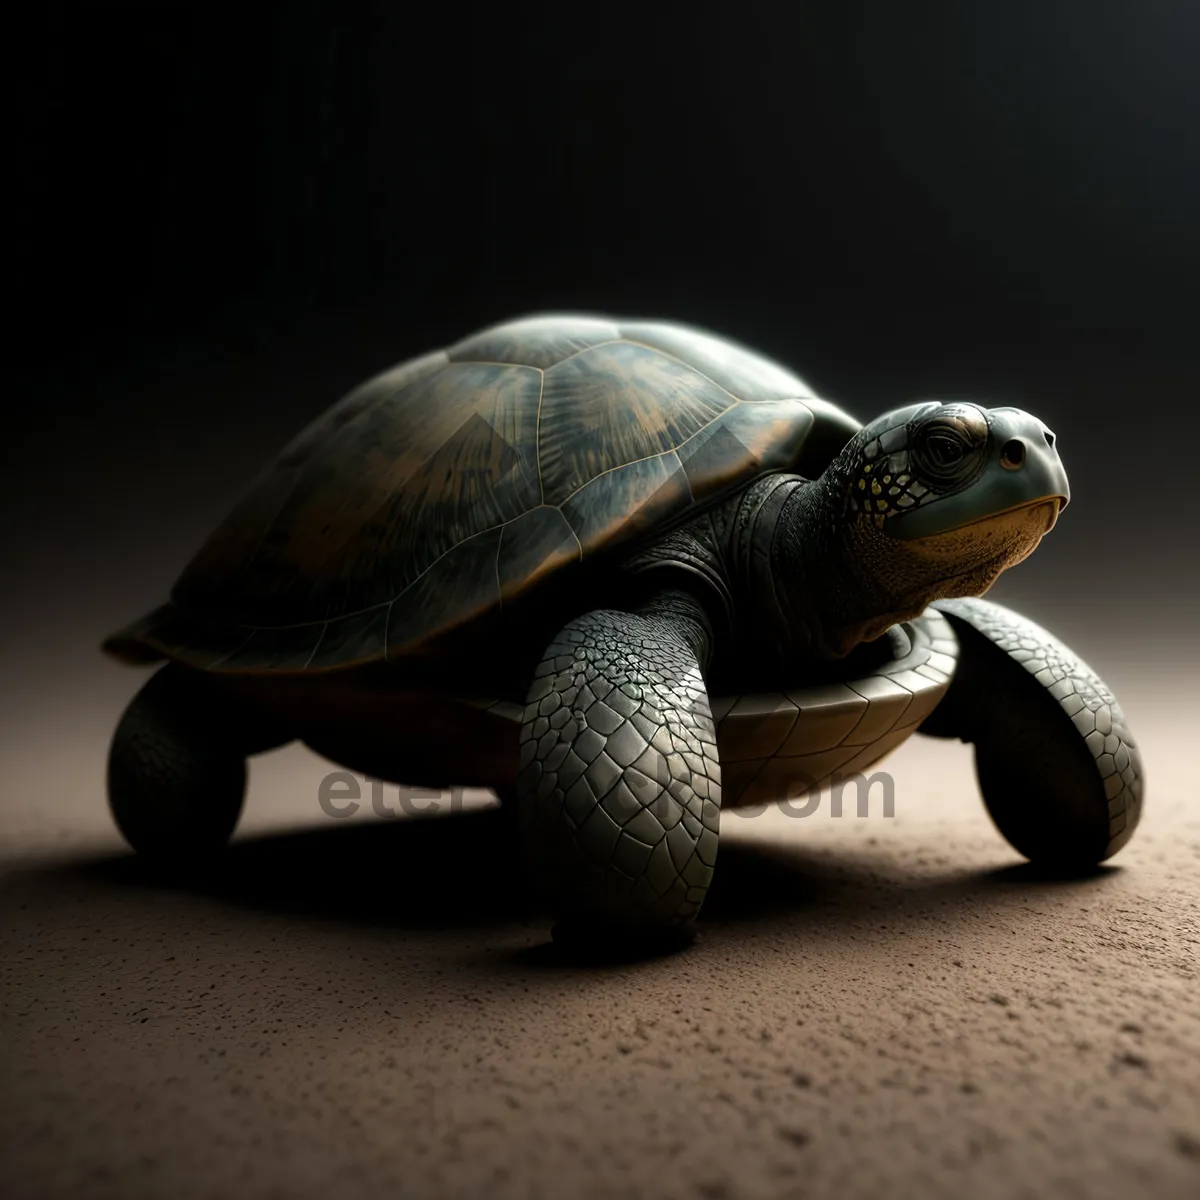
pixel 944 451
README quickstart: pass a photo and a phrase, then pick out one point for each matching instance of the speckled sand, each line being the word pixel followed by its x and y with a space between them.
pixel 875 1008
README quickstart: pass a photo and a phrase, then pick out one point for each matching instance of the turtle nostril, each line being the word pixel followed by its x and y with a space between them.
pixel 1049 438
pixel 1012 457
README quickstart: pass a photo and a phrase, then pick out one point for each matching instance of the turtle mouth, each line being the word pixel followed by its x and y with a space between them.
pixel 1051 507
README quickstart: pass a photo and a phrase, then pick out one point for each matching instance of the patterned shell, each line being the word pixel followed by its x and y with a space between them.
pixel 439 491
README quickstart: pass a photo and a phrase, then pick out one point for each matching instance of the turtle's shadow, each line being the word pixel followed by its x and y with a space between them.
pixel 463 870
pixel 418 872
pixel 434 872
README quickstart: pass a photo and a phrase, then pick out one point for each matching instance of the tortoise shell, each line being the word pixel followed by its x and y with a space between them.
pixel 443 489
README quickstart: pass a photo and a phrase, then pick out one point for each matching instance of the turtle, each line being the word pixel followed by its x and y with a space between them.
pixel 624 572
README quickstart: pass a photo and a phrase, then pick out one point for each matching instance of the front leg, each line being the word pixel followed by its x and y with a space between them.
pixel 1059 770
pixel 619 785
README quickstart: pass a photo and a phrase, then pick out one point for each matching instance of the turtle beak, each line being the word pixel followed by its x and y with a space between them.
pixel 1029 458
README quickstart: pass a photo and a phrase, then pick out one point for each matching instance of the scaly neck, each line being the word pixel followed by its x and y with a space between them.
pixel 802 591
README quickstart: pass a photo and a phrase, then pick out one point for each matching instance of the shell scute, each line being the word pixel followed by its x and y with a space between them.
pixel 442 489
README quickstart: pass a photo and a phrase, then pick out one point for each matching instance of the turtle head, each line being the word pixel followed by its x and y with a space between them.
pixel 949 477
pixel 932 501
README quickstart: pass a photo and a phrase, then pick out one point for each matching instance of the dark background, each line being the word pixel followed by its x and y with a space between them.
pixel 221 218
pixel 225 217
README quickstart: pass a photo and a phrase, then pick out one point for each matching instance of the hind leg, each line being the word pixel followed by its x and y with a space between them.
pixel 1059 770
pixel 177 765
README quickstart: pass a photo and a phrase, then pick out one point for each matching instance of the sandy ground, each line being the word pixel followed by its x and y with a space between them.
pixel 366 1007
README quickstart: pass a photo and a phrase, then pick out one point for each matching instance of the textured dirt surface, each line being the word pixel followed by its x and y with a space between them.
pixel 365 1007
